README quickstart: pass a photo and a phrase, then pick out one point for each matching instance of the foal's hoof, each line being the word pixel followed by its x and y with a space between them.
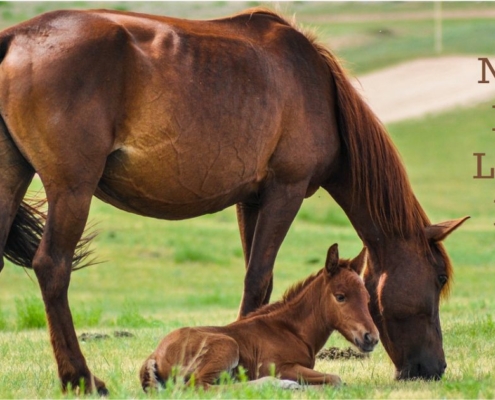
pixel 336 381
pixel 290 385
pixel 280 383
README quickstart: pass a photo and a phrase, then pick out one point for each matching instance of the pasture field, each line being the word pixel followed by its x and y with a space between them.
pixel 156 276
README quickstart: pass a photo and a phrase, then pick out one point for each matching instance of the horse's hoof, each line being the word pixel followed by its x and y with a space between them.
pixel 100 387
pixel 103 391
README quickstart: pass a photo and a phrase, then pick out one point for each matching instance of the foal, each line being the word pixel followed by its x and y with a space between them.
pixel 283 337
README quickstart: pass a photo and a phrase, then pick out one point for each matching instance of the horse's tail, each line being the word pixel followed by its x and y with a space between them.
pixel 149 376
pixel 25 237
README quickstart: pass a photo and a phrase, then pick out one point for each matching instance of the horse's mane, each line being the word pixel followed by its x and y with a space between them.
pixel 377 171
pixel 290 294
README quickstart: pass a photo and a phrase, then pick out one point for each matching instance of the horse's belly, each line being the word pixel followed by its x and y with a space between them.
pixel 171 185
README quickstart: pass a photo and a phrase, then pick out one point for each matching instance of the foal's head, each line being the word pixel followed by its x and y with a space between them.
pixel 348 305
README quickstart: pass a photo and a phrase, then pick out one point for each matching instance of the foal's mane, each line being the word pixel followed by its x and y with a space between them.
pixel 377 171
pixel 290 294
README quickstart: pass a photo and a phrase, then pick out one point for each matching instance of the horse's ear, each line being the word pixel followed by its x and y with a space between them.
pixel 332 263
pixel 439 232
pixel 357 264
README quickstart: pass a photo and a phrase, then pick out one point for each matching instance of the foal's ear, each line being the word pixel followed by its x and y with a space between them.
pixel 439 232
pixel 357 264
pixel 332 263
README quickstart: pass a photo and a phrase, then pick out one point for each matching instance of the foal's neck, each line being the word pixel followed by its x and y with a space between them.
pixel 309 315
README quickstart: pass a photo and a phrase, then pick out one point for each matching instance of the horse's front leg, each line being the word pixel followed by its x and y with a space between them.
pixel 67 215
pixel 278 206
pixel 247 216
pixel 308 376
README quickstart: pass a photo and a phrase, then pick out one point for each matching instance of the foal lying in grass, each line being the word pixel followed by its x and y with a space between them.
pixel 283 337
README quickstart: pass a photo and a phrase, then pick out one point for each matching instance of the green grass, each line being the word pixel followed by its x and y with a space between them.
pixel 30 313
pixel 158 276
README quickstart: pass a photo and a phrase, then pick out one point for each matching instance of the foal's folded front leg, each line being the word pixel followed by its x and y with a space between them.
pixel 309 376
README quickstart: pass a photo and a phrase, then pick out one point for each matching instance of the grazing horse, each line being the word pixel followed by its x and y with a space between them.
pixel 171 118
pixel 281 338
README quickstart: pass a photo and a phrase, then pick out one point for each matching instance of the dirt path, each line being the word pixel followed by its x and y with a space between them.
pixel 414 89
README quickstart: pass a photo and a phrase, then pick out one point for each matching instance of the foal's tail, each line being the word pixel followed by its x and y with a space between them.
pixel 149 376
pixel 25 237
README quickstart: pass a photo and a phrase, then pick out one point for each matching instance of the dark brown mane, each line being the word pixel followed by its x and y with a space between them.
pixel 378 173
pixel 289 295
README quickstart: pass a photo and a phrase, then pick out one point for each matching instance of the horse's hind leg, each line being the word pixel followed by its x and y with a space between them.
pixel 67 214
pixel 69 190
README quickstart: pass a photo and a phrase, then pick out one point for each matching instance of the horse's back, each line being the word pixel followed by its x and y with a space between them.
pixel 186 117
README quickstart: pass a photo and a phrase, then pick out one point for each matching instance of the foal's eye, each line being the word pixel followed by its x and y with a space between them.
pixel 442 279
pixel 340 298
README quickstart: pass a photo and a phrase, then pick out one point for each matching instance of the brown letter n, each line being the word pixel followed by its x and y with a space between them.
pixel 484 63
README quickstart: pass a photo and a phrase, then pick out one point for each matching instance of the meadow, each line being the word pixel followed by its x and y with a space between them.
pixel 155 276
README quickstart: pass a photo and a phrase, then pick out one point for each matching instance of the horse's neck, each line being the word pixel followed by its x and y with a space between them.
pixel 371 184
pixel 355 207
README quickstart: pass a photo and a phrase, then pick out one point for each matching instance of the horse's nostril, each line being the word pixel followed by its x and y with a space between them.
pixel 367 338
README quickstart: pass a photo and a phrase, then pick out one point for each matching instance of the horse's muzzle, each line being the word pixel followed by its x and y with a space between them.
pixel 422 371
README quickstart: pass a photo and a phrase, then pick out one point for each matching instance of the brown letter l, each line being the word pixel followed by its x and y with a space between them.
pixel 479 173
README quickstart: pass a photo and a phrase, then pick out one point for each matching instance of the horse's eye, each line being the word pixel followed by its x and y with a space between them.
pixel 340 298
pixel 442 279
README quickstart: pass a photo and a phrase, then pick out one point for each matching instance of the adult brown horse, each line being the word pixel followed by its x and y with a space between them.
pixel 282 338
pixel 172 119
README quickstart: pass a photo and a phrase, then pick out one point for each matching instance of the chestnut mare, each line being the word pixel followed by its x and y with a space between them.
pixel 282 337
pixel 170 118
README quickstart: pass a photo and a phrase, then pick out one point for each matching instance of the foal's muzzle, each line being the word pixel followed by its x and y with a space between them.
pixel 367 342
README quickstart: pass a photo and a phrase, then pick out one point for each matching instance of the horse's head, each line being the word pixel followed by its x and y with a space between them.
pixel 405 301
pixel 349 299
